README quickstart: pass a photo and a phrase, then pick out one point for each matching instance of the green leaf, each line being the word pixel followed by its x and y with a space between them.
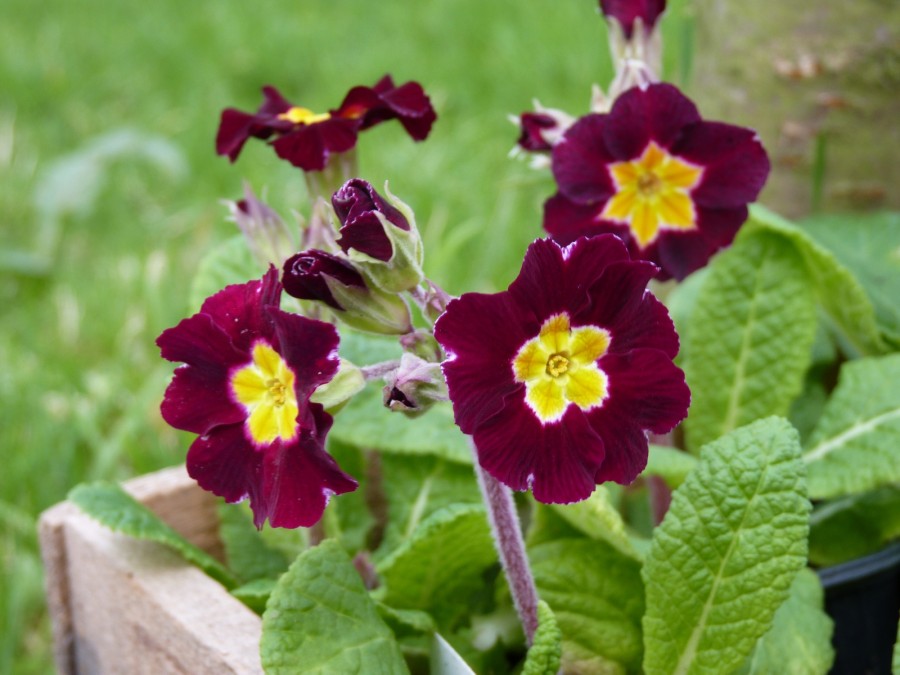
pixel 445 660
pixel 255 594
pixel 599 519
pixel 320 619
pixel 248 555
pixel 854 446
pixel 799 641
pixel 417 487
pixel 545 654
pixel 548 525
pixel 119 511
pixel 868 244
pixel 750 338
pixel 670 464
pixel 366 423
pixel 439 569
pixel 854 526
pixel 725 555
pixel 405 622
pixel 231 262
pixel 367 348
pixel 850 312
pixel 895 668
pixel 597 597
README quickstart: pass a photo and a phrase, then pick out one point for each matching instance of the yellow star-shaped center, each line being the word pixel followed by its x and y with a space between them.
pixel 265 387
pixel 298 115
pixel 653 194
pixel 559 368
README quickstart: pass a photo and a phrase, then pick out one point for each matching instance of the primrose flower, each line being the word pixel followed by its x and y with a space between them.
pixel 249 371
pixel 307 139
pixel 559 378
pixel 672 185
pixel 626 12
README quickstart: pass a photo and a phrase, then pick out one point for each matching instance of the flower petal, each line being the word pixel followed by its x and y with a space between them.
pixel 309 347
pixel 196 400
pixel 238 310
pixel 580 160
pixel 566 221
pixel 224 463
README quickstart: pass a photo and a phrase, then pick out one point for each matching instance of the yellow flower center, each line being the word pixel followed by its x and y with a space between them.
pixel 265 387
pixel 653 194
pixel 298 115
pixel 559 368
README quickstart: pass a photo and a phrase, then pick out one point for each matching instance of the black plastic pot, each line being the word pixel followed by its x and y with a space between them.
pixel 862 596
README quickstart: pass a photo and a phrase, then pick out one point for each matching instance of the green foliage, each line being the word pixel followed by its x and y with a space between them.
pixel 249 556
pixel 850 313
pixel 441 567
pixel 867 244
pixel 726 553
pixel 228 263
pixel 748 346
pixel 255 594
pixel 597 597
pixel 545 653
pixel 417 487
pixel 854 446
pixel 670 464
pixel 119 511
pixel 366 423
pixel 854 526
pixel 320 617
pixel 799 641
pixel 599 519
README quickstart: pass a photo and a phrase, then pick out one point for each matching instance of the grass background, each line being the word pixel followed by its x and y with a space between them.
pixel 110 189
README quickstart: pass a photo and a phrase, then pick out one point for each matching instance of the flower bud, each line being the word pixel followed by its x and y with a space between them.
pixel 334 281
pixel 268 238
pixel 347 382
pixel 415 386
pixel 379 235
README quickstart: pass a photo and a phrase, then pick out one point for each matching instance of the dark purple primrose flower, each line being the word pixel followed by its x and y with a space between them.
pixel 307 139
pixel 358 205
pixel 672 185
pixel 306 272
pixel 626 11
pixel 559 378
pixel 249 371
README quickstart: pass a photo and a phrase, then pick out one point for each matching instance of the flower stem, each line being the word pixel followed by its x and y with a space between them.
pixel 510 546
pixel 381 369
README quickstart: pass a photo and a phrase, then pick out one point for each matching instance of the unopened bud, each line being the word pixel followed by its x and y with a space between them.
pixel 268 238
pixel 415 386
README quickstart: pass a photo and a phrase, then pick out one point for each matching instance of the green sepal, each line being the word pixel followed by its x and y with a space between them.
pixel 347 382
pixel 370 309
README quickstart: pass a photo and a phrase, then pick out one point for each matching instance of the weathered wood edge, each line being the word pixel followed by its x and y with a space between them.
pixel 121 605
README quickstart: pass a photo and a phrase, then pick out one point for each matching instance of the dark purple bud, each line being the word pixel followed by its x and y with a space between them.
pixel 356 205
pixel 627 11
pixel 533 126
pixel 305 276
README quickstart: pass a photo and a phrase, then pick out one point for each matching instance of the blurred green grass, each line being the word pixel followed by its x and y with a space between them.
pixel 109 195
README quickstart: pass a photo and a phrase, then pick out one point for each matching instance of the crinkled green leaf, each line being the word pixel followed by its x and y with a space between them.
pixel 726 553
pixel 119 511
pixel 320 619
pixel 545 653
pixel 598 518
pixel 670 464
pixel 445 660
pixel 854 446
pixel 366 423
pixel 255 594
pixel 416 487
pixel 231 262
pixel 439 569
pixel 548 525
pixel 350 518
pixel 405 621
pixel 597 597
pixel 850 312
pixel 681 299
pixel 750 338
pixel 248 555
pixel 854 526
pixel 868 244
pixel 799 641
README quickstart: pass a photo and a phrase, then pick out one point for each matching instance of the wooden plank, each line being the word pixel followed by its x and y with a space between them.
pixel 119 605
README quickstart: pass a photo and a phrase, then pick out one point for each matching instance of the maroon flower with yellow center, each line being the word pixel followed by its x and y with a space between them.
pixel 672 185
pixel 559 378
pixel 249 371
pixel 307 139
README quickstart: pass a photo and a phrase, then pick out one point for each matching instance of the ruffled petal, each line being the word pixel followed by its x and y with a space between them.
pixel 580 160
pixel 735 164
pixel 310 146
pixel 238 310
pixel 539 290
pixel 198 400
pixel 658 113
pixel 680 253
pixel 566 221
pixel 616 295
pixel 224 463
pixel 587 261
pixel 202 344
pixel 299 477
pixel 310 349
pixel 557 461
